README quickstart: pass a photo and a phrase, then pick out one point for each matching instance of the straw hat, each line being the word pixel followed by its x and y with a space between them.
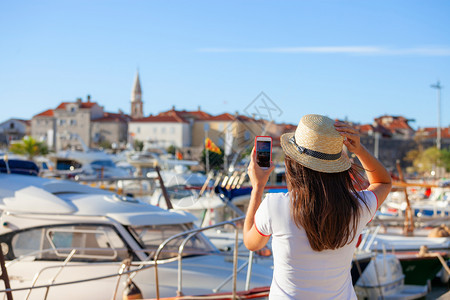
pixel 317 145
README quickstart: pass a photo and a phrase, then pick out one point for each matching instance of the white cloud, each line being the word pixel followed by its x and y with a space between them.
pixel 360 50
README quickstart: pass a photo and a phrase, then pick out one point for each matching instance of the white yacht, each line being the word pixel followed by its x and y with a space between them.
pixel 87 164
pixel 63 240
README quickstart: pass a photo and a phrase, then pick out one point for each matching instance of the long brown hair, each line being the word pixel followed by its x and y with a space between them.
pixel 325 205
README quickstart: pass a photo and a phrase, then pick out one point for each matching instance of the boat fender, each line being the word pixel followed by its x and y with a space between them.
pixel 132 292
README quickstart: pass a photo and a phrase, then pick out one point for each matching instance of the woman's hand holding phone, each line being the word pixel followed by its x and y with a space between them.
pixel 258 176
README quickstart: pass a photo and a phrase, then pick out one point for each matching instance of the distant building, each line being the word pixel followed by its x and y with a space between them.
pixel 428 135
pixel 389 138
pixel 277 130
pixel 73 121
pixel 14 130
pixel 111 128
pixel 78 124
pixel 43 128
pixel 397 126
pixel 161 131
pixel 235 132
pixel 137 106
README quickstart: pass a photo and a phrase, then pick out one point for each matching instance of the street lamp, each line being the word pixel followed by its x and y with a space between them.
pixel 438 87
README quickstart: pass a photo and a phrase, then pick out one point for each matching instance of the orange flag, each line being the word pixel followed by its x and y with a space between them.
pixel 209 145
pixel 179 155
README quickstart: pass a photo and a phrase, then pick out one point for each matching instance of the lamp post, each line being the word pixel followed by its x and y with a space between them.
pixel 438 87
pixel 206 128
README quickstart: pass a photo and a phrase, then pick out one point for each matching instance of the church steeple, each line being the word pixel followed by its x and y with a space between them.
pixel 136 99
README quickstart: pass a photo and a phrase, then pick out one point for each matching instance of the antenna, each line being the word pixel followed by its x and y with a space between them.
pixel 438 87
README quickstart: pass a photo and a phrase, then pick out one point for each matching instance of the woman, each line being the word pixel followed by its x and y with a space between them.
pixel 316 225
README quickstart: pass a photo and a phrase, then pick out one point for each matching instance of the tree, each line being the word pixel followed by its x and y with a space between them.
pixel 446 159
pixel 30 147
pixel 138 145
pixel 105 144
pixel 171 149
pixel 426 161
pixel 215 159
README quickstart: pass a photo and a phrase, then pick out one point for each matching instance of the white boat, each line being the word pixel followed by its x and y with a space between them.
pixel 211 201
pixel 383 279
pixel 436 205
pixel 88 164
pixel 57 232
pixel 422 257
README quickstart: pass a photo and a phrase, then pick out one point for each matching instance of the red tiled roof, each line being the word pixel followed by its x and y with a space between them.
pixel 160 119
pixel 222 117
pixel 82 104
pixel 184 114
pixel 230 117
pixel 245 118
pixel 365 128
pixel 113 117
pixel 47 113
pixel 393 123
pixel 288 128
pixel 199 114
pixel 204 116
pixel 431 132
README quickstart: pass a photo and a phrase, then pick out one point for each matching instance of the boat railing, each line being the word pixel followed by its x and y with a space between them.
pixel 61 267
pixel 150 262
pixel 140 267
pixel 369 237
pixel 189 235
pixel 39 253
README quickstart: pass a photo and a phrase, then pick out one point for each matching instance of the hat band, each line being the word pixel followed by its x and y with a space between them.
pixel 316 154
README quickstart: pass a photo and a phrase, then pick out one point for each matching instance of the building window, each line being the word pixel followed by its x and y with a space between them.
pixel 72 109
pixel 62 122
pixel 155 130
pixel 172 129
pixel 11 125
pixel 247 135
pixel 138 130
pixel 163 130
pixel 73 122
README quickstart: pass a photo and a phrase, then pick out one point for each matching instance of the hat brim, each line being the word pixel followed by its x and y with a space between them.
pixel 326 166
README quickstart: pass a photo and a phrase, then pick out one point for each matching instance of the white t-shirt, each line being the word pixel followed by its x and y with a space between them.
pixel 299 271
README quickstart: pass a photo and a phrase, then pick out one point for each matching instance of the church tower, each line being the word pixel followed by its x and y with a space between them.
pixel 136 99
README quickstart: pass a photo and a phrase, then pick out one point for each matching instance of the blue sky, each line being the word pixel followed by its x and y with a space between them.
pixel 354 60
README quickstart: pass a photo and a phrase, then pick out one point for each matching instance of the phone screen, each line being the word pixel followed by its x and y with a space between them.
pixel 263 153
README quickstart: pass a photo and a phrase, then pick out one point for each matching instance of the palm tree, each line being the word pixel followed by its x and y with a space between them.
pixel 30 147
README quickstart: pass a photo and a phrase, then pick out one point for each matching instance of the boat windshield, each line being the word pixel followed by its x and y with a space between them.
pixel 103 163
pixel 151 236
pixel 178 192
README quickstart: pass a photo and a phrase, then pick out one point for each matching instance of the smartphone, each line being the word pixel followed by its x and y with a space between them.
pixel 263 151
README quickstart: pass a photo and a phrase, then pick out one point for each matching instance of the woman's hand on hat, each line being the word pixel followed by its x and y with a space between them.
pixel 258 176
pixel 351 136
